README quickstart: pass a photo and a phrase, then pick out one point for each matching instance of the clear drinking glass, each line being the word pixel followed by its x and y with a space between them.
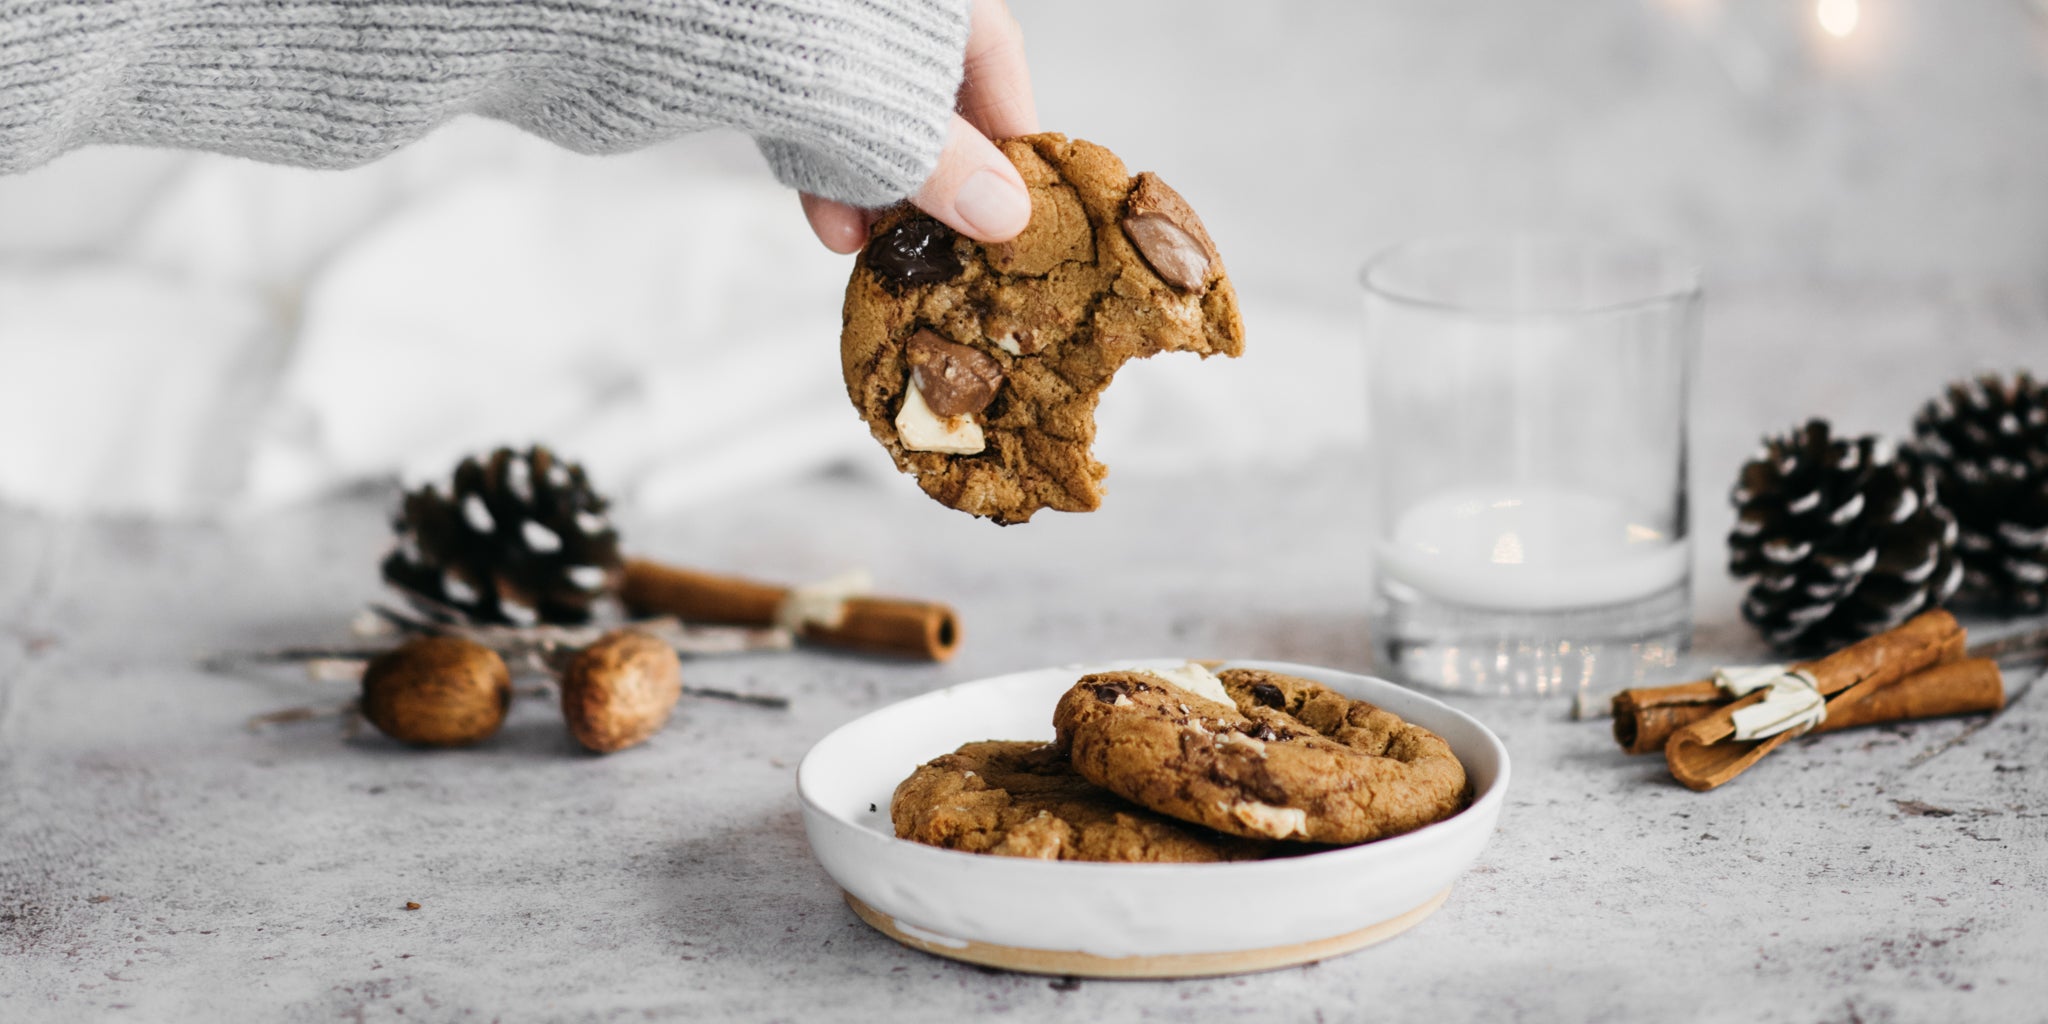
pixel 1528 401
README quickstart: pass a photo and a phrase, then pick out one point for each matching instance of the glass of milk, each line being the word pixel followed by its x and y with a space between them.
pixel 1528 402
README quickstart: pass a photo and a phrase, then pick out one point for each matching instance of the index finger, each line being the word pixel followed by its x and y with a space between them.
pixel 995 92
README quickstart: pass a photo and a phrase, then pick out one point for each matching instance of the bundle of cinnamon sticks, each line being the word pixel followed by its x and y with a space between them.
pixel 1710 734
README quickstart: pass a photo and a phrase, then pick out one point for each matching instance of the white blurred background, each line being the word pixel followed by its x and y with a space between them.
pixel 194 335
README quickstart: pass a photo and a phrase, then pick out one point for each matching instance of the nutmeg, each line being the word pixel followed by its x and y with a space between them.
pixel 620 690
pixel 437 691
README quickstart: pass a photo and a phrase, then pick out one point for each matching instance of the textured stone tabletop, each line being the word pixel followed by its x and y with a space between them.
pixel 160 862
pixel 158 859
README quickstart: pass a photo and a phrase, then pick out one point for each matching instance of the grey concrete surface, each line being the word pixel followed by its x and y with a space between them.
pixel 158 862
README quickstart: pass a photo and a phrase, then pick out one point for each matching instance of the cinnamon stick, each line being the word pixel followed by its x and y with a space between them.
pixel 876 625
pixel 1702 755
pixel 1645 717
pixel 1970 686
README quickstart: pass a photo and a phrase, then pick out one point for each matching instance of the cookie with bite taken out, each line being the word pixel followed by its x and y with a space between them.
pixel 979 366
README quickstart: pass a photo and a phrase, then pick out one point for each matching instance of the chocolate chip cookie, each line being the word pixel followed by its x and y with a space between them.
pixel 978 366
pixel 1291 759
pixel 1022 799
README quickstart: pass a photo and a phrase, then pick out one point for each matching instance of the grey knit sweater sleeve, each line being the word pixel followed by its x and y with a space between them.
pixel 851 99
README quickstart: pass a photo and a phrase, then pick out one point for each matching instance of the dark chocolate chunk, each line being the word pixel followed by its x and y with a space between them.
pixel 917 251
pixel 1269 695
pixel 1110 693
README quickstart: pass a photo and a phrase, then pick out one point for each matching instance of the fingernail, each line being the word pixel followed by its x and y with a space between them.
pixel 990 204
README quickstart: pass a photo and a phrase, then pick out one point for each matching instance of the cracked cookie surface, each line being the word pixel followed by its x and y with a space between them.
pixel 1022 799
pixel 979 366
pixel 1290 759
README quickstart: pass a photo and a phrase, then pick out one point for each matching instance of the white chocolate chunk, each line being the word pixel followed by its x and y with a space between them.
pixel 1256 745
pixel 1268 820
pixel 1008 343
pixel 1194 678
pixel 921 430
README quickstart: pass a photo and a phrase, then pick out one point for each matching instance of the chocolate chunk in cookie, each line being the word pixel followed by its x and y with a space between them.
pixel 1168 234
pixel 955 380
pixel 917 250
pixel 1024 800
pixel 1110 268
pixel 1291 759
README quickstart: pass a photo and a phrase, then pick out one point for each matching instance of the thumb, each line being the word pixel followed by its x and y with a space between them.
pixel 975 190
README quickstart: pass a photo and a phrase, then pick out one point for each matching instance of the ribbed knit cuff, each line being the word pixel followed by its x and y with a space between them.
pixel 850 99
pixel 866 122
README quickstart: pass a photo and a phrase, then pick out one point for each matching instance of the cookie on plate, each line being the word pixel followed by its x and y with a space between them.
pixel 1022 799
pixel 979 366
pixel 1288 759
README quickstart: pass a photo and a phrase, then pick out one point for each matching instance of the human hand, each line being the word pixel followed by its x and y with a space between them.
pixel 975 189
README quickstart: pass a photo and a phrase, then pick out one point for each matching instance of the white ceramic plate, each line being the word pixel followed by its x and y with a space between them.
pixel 958 904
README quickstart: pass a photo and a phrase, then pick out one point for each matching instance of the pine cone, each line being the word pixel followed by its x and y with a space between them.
pixel 520 539
pixel 1987 441
pixel 1840 539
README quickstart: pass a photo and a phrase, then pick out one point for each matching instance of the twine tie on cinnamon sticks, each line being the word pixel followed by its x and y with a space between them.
pixel 1792 700
pixel 822 604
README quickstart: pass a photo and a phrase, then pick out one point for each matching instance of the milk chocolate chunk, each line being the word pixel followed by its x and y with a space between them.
pixel 1168 234
pixel 955 379
pixel 917 251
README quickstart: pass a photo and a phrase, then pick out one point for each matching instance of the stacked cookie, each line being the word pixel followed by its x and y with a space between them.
pixel 1185 765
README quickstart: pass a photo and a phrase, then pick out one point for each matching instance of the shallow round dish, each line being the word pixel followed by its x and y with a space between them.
pixel 1144 920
